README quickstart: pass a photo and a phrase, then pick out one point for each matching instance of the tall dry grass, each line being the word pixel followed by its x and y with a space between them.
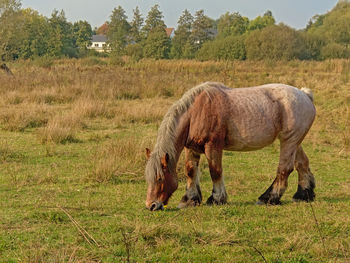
pixel 61 129
pixel 124 157
pixel 142 91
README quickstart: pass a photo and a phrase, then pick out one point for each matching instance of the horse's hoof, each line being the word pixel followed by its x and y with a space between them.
pixel 306 195
pixel 212 201
pixel 272 201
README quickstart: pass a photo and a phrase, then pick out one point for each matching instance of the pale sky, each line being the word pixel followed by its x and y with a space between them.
pixel 295 13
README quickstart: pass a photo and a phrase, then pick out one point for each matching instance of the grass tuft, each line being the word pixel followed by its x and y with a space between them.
pixel 61 129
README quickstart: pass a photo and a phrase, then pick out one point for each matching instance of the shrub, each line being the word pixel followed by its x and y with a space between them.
pixel 134 51
pixel 229 48
pixel 92 61
pixel 335 50
pixel 276 42
pixel 44 62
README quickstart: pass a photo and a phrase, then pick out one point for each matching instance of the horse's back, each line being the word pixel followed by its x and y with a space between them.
pixel 244 119
pixel 260 114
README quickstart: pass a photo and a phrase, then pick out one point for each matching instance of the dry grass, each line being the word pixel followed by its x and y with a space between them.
pixel 23 116
pixel 61 129
pixel 92 109
pixel 93 89
pixel 125 157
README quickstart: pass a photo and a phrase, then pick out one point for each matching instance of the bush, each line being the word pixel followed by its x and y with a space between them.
pixel 92 61
pixel 44 62
pixel 335 50
pixel 134 51
pixel 276 42
pixel 229 48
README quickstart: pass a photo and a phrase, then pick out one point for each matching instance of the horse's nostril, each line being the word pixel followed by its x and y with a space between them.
pixel 153 207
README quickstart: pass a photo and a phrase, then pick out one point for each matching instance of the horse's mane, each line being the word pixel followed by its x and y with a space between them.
pixel 167 131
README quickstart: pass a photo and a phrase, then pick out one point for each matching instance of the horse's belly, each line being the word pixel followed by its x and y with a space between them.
pixel 250 139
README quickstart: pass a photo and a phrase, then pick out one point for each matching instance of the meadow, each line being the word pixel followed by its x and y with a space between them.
pixel 73 135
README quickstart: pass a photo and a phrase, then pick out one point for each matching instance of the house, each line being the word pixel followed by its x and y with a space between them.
pixel 170 32
pixel 98 43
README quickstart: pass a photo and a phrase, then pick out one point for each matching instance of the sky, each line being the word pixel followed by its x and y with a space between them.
pixel 295 13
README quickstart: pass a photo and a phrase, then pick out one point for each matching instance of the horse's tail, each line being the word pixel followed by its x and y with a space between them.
pixel 309 93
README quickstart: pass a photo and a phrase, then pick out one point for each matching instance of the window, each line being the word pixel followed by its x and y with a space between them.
pixel 96 45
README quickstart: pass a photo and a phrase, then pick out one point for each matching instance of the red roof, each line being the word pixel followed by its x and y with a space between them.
pixel 169 31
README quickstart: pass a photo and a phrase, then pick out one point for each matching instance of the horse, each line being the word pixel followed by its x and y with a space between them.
pixel 211 118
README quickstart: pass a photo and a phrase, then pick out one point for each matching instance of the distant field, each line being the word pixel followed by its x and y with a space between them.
pixel 72 189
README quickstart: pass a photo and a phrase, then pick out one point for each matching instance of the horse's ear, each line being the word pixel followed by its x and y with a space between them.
pixel 165 160
pixel 148 153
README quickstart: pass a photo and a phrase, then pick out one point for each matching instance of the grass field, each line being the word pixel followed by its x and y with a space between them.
pixel 72 189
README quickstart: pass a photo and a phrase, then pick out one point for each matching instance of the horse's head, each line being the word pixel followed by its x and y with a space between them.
pixel 162 183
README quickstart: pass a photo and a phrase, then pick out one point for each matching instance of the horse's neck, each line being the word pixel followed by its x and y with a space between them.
pixel 181 135
pixel 178 143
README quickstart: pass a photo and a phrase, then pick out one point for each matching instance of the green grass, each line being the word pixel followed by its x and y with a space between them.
pixel 83 200
pixel 36 182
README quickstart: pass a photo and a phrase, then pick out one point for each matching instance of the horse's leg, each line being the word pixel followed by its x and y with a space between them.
pixel 214 157
pixel 193 195
pixel 286 164
pixel 306 180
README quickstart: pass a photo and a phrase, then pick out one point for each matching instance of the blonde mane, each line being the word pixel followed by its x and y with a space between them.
pixel 166 137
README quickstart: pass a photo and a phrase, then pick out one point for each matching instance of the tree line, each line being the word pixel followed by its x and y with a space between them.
pixel 24 33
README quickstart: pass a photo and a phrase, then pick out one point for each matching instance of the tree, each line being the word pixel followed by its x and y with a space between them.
pixel 10 28
pixel 154 21
pixel 157 45
pixel 333 29
pixel 260 22
pixel 82 33
pixel 276 42
pixel 118 31
pixel 61 36
pixel 136 26
pixel 232 25
pixel 200 30
pixel 182 34
pixel 9 6
pixel 34 34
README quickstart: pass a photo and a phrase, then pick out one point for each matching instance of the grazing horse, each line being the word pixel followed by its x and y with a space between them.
pixel 211 118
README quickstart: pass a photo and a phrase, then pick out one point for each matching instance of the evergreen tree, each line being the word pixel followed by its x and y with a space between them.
pixel 200 30
pixel 182 34
pixel 118 31
pixel 157 45
pixel 136 26
pixel 154 21
pixel 61 36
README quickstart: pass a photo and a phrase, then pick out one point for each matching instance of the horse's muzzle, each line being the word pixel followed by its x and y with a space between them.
pixel 156 206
